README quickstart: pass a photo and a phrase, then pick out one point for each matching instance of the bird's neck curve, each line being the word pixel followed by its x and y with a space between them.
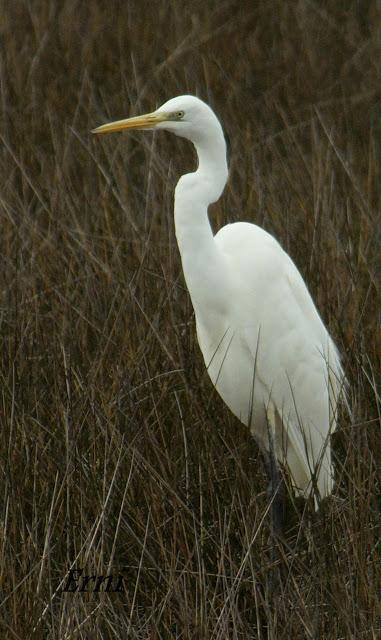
pixel 212 172
pixel 202 262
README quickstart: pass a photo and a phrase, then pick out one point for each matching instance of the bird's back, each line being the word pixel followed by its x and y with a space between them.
pixel 270 356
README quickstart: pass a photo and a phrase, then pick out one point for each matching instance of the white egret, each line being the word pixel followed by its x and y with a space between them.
pixel 264 344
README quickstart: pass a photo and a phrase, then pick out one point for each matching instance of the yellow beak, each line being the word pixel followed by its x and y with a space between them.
pixel 147 121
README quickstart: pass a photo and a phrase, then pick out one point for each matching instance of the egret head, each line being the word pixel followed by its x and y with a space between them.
pixel 186 116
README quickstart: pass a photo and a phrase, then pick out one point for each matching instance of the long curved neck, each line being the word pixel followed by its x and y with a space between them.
pixel 212 171
pixel 203 264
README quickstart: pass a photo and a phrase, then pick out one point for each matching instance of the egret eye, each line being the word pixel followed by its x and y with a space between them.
pixel 179 115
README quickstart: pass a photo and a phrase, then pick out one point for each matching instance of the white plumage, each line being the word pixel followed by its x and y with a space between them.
pixel 264 344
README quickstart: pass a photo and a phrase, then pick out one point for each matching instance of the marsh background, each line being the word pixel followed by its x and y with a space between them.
pixel 116 453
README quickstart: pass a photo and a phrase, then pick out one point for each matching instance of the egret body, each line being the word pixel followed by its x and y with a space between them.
pixel 264 344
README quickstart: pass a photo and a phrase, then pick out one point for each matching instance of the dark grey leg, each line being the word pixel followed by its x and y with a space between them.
pixel 275 492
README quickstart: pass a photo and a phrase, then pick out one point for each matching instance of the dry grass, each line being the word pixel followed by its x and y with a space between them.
pixel 116 454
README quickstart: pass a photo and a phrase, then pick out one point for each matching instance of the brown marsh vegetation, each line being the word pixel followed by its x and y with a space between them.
pixel 116 454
